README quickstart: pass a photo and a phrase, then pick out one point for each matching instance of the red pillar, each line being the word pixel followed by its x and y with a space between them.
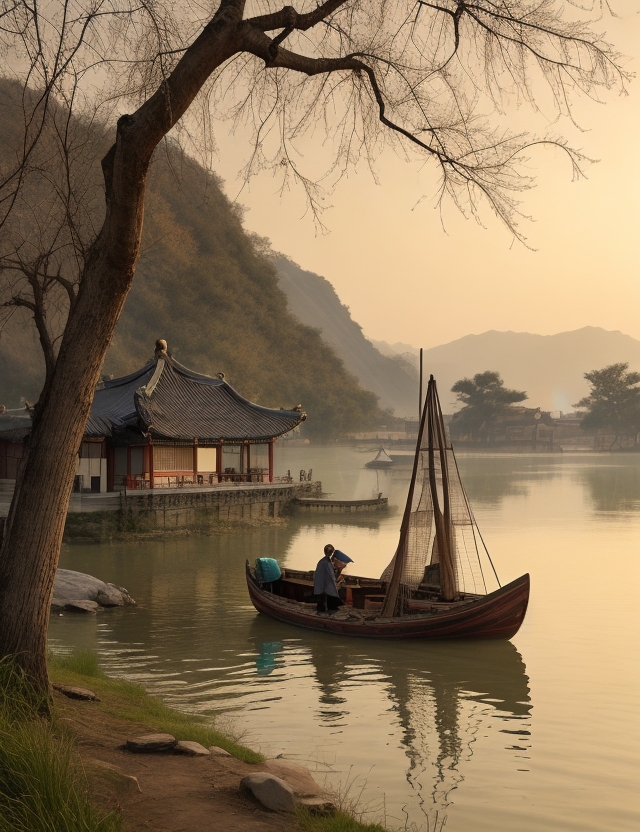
pixel 110 467
pixel 219 461
pixel 271 441
pixel 150 464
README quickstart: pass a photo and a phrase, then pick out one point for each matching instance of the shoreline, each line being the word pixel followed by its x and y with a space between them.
pixel 169 792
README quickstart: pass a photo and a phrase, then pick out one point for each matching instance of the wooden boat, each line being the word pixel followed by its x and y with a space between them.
pixel 381 460
pixel 435 586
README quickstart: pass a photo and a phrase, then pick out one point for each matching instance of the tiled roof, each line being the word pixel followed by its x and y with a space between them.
pixel 14 427
pixel 169 401
pixel 114 404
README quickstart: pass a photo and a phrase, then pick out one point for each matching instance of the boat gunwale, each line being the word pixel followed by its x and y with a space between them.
pixel 415 625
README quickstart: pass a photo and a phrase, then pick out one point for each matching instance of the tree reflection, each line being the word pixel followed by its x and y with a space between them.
pixel 614 487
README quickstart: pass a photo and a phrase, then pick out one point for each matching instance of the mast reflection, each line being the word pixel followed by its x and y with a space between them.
pixel 447 697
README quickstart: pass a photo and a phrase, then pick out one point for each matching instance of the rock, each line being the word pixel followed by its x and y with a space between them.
pixel 76 693
pixel 110 597
pixel 296 776
pixel 113 775
pixel 82 606
pixel 125 595
pixel 270 791
pixel 318 805
pixel 151 744
pixel 76 586
pixel 218 752
pixel 191 749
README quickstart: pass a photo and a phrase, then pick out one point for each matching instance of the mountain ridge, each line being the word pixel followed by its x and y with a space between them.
pixel 550 368
pixel 314 301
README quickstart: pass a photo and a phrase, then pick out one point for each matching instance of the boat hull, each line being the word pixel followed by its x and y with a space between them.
pixel 497 615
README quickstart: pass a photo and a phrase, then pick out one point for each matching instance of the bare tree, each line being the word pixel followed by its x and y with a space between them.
pixel 54 216
pixel 428 77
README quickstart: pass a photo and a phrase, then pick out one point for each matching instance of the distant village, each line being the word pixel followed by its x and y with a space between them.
pixel 522 429
pixel 168 426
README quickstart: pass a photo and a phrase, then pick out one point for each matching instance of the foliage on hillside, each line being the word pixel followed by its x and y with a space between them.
pixel 202 285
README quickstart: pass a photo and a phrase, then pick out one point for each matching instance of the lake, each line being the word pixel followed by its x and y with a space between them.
pixel 540 733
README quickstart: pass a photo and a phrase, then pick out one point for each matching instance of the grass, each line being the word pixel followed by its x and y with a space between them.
pixel 42 784
pixel 131 702
pixel 338 822
pixel 43 787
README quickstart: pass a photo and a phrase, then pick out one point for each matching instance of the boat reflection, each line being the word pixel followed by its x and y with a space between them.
pixel 447 698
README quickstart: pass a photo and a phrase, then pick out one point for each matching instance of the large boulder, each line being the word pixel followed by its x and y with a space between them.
pixel 286 785
pixel 70 586
pixel 270 791
pixel 296 776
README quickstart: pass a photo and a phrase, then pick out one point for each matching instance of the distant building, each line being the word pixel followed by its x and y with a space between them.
pixel 165 426
pixel 520 428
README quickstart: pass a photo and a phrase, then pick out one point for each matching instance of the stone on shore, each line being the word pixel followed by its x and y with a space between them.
pixel 218 752
pixel 151 744
pixel 82 606
pixel 296 776
pixel 98 769
pixel 318 805
pixel 270 791
pixel 76 693
pixel 71 587
pixel 191 749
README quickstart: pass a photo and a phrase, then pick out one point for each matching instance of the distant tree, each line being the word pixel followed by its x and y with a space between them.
pixel 614 402
pixel 485 399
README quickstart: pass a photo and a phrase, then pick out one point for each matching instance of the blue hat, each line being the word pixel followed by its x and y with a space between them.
pixel 338 555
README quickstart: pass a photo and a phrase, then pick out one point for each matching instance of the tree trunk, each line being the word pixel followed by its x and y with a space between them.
pixel 35 525
pixel 33 532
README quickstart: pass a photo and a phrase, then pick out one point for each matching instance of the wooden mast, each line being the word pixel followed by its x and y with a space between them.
pixel 391 597
pixel 432 418
pixel 444 529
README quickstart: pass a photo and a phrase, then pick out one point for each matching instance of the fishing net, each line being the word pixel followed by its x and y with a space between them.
pixel 418 549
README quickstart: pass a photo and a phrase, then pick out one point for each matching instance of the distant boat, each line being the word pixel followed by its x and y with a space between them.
pixel 434 586
pixel 382 460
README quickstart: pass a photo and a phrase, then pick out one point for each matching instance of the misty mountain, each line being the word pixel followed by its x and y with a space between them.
pixel 399 348
pixel 202 284
pixel 550 368
pixel 314 301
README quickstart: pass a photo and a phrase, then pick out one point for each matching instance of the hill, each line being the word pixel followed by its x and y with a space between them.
pixel 202 285
pixel 550 368
pixel 314 301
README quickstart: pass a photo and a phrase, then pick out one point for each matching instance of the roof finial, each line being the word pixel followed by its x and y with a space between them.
pixel 161 346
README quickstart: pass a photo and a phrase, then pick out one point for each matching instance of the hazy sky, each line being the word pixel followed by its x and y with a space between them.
pixel 406 278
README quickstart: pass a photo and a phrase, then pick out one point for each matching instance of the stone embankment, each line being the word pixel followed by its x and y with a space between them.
pixel 158 512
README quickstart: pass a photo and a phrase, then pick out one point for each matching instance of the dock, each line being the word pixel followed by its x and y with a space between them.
pixel 320 505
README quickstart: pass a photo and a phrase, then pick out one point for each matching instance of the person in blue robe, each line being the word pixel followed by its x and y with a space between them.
pixel 325 587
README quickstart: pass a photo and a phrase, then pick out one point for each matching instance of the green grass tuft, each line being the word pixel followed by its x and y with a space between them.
pixel 131 702
pixel 42 786
pixel 338 822
pixel 80 662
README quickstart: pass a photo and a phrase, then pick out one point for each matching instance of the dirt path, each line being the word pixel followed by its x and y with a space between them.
pixel 177 793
